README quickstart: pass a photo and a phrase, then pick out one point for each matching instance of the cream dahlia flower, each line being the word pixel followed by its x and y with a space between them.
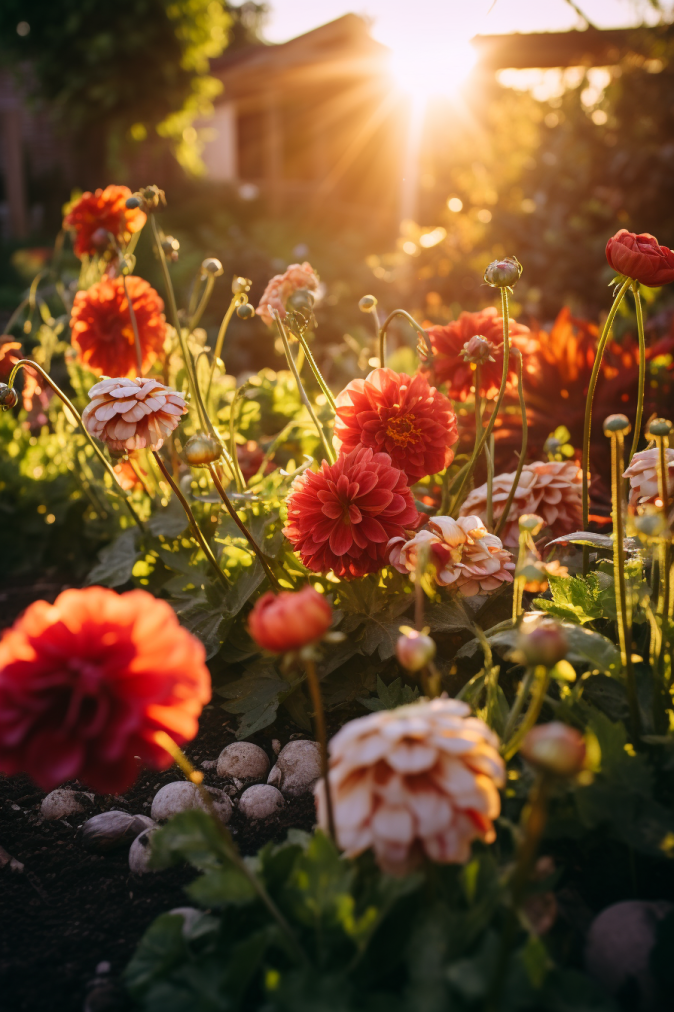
pixel 420 779
pixel 133 414
pixel 643 475
pixel 466 556
pixel 552 489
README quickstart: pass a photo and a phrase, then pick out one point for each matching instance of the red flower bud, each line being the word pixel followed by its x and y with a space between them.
pixel 640 257
pixel 546 644
pixel 289 620
pixel 414 650
pixel 555 748
pixel 478 350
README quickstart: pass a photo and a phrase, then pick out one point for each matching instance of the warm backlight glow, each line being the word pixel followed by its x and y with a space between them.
pixel 433 69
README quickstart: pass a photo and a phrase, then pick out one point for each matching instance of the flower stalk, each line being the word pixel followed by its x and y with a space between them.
pixel 523 449
pixel 422 334
pixel 321 738
pixel 313 365
pixel 134 327
pixel 242 527
pixel 642 370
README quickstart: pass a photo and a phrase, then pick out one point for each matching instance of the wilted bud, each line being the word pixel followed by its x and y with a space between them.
pixel 152 197
pixel 367 304
pixel 301 300
pixel 202 449
pixel 660 427
pixel 240 285
pixel 245 312
pixel 545 645
pixel 414 649
pixel 171 247
pixel 503 273
pixel 8 397
pixel 617 423
pixel 532 523
pixel 212 266
pixel 555 748
pixel 478 350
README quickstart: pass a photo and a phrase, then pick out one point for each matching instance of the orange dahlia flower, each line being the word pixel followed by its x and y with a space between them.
pixel 452 367
pixel 418 780
pixel 95 214
pixel 342 517
pixel 403 416
pixel 101 328
pixel 282 286
pixel 86 682
pixel 133 414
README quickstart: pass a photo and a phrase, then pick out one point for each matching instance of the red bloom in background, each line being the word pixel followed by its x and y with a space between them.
pixel 102 331
pixel 640 257
pixel 342 517
pixel 448 345
pixel 403 416
pixel 101 212
pixel 87 681
pixel 289 620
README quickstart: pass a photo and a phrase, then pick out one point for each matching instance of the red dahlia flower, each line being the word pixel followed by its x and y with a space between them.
pixel 87 681
pixel 640 257
pixel 411 421
pixel 289 620
pixel 101 212
pixel 102 331
pixel 449 359
pixel 342 517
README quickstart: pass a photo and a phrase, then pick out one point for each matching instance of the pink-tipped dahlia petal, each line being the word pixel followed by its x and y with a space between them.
pixel 643 475
pixel 123 428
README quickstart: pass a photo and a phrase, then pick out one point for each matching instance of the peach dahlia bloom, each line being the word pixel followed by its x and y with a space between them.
pixel 282 286
pixel 133 414
pixel 643 475
pixel 420 779
pixel 465 555
pixel 552 489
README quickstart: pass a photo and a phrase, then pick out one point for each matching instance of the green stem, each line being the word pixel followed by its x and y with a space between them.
pixel 203 302
pixel 217 353
pixel 410 319
pixel 23 363
pixel 518 582
pixel 523 451
pixel 238 473
pixel 542 676
pixel 322 738
pixel 587 425
pixel 642 371
pixel 518 705
pixel 489 455
pixel 329 452
pixel 316 371
pixel 448 488
pixel 479 445
pixel 194 526
pixel 242 527
pixel 134 326
pixel 15 315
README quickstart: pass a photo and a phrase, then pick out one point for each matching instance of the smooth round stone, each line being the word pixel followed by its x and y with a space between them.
pixel 110 830
pixel 182 796
pixel 139 853
pixel 260 801
pixel 297 768
pixel 243 760
pixel 63 802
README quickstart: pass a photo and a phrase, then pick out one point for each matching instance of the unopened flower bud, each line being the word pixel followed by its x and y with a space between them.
pixel 531 522
pixel 151 197
pixel 171 247
pixel 100 238
pixel 414 649
pixel 8 397
pixel 660 427
pixel 545 645
pixel 650 525
pixel 245 312
pixel 555 748
pixel 535 578
pixel 552 446
pixel 478 350
pixel 132 203
pixel 301 300
pixel 212 266
pixel 503 273
pixel 202 449
pixel 617 423
pixel 367 304
pixel 240 285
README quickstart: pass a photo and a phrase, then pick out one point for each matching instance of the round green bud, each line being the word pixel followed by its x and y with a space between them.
pixel 302 301
pixel 8 397
pixel 245 312
pixel 202 449
pixel 503 273
pixel 212 266
pixel 367 304
pixel 545 645
pixel 660 427
pixel 555 748
pixel 414 649
pixel 617 423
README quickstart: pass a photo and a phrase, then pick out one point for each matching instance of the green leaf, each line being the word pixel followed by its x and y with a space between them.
pixel 160 948
pixel 573 599
pixel 447 617
pixel 536 961
pixel 169 521
pixel 588 647
pixel 189 836
pixel 256 696
pixel 116 561
pixel 390 696
pixel 224 887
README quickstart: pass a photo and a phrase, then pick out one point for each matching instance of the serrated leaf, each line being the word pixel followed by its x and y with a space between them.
pixel 573 599
pixel 116 561
pixel 169 521
pixel 390 696
pixel 447 617
pixel 256 696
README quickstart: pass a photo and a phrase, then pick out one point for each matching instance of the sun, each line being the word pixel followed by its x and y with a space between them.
pixel 432 68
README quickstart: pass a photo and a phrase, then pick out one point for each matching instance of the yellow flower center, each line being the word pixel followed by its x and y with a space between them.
pixel 402 431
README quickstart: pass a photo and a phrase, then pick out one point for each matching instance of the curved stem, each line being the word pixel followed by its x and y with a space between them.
pixel 194 526
pixel 410 319
pixel 237 301
pixel 16 314
pixel 479 444
pixel 315 370
pixel 377 327
pixel 329 452
pixel 587 424
pixel 518 705
pixel 542 676
pixel 523 451
pixel 489 454
pixel 23 363
pixel 238 473
pixel 322 738
pixel 242 527
pixel 642 371
pixel 203 302
pixel 134 326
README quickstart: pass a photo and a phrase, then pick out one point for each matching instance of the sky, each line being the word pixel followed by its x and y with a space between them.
pixel 395 22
